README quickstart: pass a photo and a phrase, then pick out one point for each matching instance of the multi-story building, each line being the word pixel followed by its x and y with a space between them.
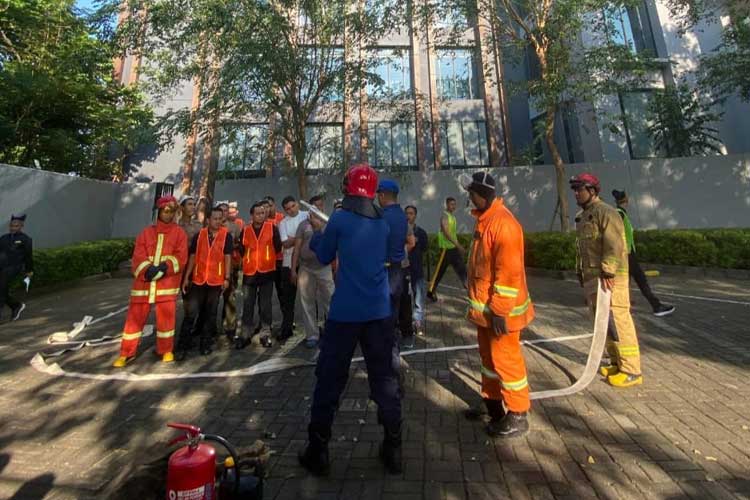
pixel 463 116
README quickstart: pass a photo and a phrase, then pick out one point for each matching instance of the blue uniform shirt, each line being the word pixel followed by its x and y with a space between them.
pixel 396 219
pixel 362 292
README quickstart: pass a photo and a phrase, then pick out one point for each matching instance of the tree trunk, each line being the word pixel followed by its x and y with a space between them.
pixel 299 159
pixel 562 185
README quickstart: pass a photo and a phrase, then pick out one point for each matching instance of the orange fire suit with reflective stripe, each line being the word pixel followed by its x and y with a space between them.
pixel 497 286
pixel 158 243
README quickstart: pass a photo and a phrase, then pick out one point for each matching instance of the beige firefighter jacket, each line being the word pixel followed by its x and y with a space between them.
pixel 600 242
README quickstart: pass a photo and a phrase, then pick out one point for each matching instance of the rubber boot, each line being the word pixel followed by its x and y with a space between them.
pixel 607 370
pixel 512 425
pixel 390 452
pixel 622 379
pixel 482 408
pixel 315 457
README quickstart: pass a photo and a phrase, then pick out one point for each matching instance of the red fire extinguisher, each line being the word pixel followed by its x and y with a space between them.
pixel 191 473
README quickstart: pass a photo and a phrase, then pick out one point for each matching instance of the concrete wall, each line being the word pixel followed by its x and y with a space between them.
pixel 673 193
pixel 62 209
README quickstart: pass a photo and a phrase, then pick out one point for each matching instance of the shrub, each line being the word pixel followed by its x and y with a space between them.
pixel 72 262
pixel 725 248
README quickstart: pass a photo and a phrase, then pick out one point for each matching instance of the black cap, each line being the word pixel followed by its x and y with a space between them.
pixel 619 195
pixel 21 217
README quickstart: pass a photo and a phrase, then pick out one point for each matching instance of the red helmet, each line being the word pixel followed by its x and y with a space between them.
pixel 361 180
pixel 585 180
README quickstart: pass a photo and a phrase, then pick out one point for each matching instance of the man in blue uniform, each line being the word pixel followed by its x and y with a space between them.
pixel 361 314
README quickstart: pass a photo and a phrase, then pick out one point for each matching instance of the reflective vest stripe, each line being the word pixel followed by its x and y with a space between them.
pixel 143 265
pixel 516 385
pixel 506 291
pixel 157 258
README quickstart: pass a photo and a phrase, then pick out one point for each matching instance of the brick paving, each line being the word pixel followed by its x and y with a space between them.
pixel 684 434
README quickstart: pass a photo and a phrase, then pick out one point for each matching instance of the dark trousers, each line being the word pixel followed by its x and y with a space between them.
pixel 396 285
pixel 201 301
pixel 379 348
pixel 448 257
pixel 260 289
pixel 229 316
pixel 277 281
pixel 7 275
pixel 405 325
pixel 288 296
pixel 640 279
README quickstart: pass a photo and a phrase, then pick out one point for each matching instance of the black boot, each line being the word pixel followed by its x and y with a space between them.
pixel 485 407
pixel 314 457
pixel 512 425
pixel 390 452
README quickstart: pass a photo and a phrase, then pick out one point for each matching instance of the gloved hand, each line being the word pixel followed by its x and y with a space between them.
pixel 498 325
pixel 163 267
pixel 150 273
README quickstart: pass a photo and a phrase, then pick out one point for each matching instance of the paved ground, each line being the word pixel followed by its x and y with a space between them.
pixel 684 434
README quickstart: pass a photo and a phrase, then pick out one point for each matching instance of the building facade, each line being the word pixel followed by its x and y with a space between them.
pixel 463 113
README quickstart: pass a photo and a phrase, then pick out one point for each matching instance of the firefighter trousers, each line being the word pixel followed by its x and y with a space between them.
pixel 503 369
pixel 136 319
pixel 622 341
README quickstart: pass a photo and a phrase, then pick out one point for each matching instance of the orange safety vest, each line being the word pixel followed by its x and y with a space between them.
pixel 209 260
pixel 260 255
pixel 497 276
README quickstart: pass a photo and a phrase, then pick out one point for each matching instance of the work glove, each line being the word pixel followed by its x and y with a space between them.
pixel 163 267
pixel 150 273
pixel 498 325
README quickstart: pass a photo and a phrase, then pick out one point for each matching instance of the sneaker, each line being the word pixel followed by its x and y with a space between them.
pixel 407 342
pixel 623 379
pixel 663 310
pixel 16 313
pixel 311 343
pixel 418 328
pixel 608 370
pixel 266 341
pixel 511 425
pixel 432 296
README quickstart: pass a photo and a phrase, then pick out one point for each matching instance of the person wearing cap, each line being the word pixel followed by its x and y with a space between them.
pixel 451 252
pixel 360 313
pixel 602 261
pixel 500 307
pixel 397 241
pixel 16 258
pixel 159 257
pixel 206 276
pixel 188 220
pixel 634 268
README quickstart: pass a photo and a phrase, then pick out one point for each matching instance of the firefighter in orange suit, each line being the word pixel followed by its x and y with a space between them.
pixel 159 257
pixel 260 244
pixel 500 306
pixel 206 277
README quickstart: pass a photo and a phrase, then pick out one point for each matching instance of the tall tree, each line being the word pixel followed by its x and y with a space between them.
pixel 564 67
pixel 284 63
pixel 59 105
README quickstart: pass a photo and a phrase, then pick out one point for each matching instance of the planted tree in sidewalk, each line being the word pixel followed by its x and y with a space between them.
pixel 60 108
pixel 285 64
pixel 573 53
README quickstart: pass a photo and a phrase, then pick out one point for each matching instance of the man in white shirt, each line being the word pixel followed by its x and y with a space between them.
pixel 288 230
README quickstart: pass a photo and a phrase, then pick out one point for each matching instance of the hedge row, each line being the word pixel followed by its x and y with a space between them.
pixel 73 262
pixel 723 248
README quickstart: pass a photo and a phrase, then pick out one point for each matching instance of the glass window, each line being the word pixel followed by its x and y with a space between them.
pixel 320 60
pixel 457 74
pixel 631 27
pixel 325 147
pixel 393 68
pixel 637 119
pixel 243 149
pixel 463 144
pixel 392 145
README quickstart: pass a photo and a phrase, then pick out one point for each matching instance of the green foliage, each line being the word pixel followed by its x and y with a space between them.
pixel 726 69
pixel 681 123
pixel 724 248
pixel 58 102
pixel 72 262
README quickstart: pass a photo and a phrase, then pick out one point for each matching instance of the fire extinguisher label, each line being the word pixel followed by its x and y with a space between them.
pixel 201 493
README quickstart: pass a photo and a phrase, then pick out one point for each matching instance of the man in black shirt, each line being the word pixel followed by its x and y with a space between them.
pixel 416 259
pixel 259 246
pixel 15 258
pixel 207 275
